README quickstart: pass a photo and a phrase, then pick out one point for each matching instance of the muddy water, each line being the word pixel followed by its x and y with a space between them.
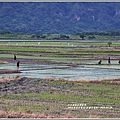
pixel 44 71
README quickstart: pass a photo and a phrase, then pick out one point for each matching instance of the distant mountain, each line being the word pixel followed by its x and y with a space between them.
pixel 59 17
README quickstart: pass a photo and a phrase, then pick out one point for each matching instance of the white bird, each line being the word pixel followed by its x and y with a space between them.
pixel 39 43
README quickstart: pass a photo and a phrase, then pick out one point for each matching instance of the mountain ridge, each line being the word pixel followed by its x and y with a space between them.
pixel 59 17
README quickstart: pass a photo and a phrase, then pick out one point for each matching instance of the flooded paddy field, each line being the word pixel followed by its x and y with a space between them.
pixel 86 72
pixel 47 82
pixel 58 59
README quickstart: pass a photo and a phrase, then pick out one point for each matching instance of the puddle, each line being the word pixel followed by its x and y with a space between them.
pixel 47 71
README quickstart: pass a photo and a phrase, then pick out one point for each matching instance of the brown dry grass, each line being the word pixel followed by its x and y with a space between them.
pixel 12 114
pixel 6 78
pixel 3 62
pixel 114 81
pixel 29 114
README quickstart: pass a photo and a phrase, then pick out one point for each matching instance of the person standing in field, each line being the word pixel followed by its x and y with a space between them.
pixel 99 62
pixel 109 61
pixel 14 57
pixel 119 61
pixel 18 65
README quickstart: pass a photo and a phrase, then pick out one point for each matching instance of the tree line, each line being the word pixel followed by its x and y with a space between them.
pixel 80 35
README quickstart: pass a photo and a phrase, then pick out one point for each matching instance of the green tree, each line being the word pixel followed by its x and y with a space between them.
pixel 109 43
pixel 81 35
pixel 64 36
pixel 42 36
pixel 33 36
pixel 91 37
pixel 37 36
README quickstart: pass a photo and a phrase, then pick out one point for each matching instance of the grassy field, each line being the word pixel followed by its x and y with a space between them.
pixel 68 43
pixel 59 98
pixel 76 51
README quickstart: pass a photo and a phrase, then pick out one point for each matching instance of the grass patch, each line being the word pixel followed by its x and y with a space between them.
pixel 62 51
pixel 61 43
pixel 56 95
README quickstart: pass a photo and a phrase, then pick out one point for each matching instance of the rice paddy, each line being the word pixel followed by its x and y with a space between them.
pixel 60 97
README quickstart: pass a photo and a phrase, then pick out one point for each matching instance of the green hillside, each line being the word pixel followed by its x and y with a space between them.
pixel 59 17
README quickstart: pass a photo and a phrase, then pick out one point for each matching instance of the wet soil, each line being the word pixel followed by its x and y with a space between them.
pixel 26 61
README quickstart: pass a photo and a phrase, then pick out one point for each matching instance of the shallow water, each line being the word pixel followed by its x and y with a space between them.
pixel 90 72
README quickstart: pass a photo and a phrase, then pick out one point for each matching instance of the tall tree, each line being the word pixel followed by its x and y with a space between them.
pixel 81 35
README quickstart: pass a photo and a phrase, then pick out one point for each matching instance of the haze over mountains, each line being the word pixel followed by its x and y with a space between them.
pixel 59 17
